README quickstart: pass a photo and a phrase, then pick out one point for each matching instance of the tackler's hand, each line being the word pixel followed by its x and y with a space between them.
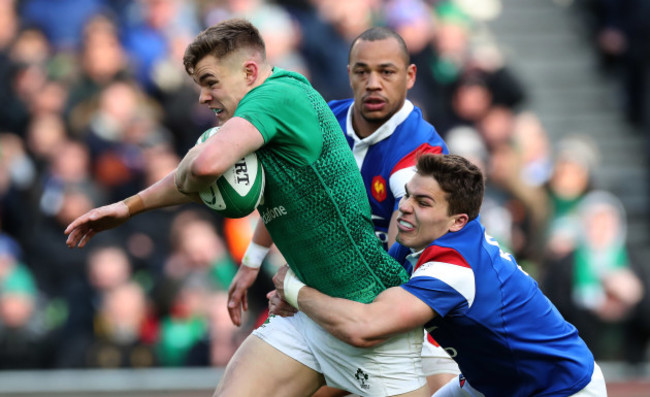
pixel 279 306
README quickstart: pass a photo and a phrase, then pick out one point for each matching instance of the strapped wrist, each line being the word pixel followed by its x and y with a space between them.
pixel 292 286
pixel 254 255
pixel 134 204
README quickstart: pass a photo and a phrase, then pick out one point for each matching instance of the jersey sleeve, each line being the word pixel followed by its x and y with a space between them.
pixel 285 118
pixel 443 280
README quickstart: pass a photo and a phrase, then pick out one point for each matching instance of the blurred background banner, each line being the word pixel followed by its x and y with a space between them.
pixel 551 98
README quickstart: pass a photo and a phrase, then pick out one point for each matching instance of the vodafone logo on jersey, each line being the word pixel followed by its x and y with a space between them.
pixel 378 188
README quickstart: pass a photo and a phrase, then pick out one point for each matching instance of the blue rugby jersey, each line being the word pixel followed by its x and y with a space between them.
pixel 387 158
pixel 506 336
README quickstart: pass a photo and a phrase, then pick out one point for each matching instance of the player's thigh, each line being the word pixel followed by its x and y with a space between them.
pixel 257 369
pixel 327 391
pixel 437 365
pixel 437 381
pixel 421 392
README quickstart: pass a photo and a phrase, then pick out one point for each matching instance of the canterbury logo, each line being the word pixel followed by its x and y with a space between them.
pixel 213 194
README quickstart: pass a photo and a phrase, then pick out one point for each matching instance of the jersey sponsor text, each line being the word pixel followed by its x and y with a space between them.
pixel 273 213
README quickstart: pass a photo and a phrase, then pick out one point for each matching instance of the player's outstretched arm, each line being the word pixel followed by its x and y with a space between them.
pixel 161 194
pixel 394 311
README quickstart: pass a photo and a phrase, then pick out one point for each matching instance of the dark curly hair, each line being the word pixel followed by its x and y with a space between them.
pixel 462 181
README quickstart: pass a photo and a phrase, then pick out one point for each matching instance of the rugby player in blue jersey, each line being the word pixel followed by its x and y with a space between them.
pixel 506 336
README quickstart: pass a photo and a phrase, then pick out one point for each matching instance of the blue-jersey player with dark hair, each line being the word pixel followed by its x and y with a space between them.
pixel 506 336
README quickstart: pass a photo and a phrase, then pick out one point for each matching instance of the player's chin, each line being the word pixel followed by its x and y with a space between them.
pixel 400 238
pixel 407 239
pixel 375 116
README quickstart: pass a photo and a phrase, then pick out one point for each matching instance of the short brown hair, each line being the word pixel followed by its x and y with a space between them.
pixel 461 180
pixel 221 40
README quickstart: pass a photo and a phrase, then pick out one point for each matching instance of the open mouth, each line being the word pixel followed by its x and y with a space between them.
pixel 404 225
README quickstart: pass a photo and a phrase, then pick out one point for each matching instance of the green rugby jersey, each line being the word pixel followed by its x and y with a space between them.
pixel 315 205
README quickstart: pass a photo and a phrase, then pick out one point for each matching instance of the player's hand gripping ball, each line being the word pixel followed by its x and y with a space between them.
pixel 239 190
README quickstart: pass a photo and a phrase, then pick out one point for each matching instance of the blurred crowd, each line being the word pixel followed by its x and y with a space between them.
pixel 619 31
pixel 95 105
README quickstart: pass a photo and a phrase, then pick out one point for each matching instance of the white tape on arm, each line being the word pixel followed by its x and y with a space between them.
pixel 292 286
pixel 254 255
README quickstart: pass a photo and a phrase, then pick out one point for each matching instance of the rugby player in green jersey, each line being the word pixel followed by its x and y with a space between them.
pixel 324 232
pixel 378 120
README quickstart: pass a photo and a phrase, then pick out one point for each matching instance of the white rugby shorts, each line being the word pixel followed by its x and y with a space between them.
pixel 435 359
pixel 390 368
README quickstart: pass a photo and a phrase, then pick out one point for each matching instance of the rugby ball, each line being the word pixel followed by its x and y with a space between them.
pixel 239 190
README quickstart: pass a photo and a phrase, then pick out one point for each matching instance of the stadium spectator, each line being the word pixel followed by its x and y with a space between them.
pixel 26 341
pixel 122 324
pixel 595 285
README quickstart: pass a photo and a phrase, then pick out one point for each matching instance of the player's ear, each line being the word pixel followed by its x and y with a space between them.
pixel 459 222
pixel 411 71
pixel 349 75
pixel 251 71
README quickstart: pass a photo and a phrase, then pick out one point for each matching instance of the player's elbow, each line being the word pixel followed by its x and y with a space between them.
pixel 201 169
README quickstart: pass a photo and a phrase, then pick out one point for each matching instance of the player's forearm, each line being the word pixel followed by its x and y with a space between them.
pixel 258 248
pixel 345 319
pixel 350 321
pixel 163 194
pixel 261 235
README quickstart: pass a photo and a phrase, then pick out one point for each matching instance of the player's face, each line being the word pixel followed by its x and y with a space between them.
pixel 423 213
pixel 222 84
pixel 380 78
